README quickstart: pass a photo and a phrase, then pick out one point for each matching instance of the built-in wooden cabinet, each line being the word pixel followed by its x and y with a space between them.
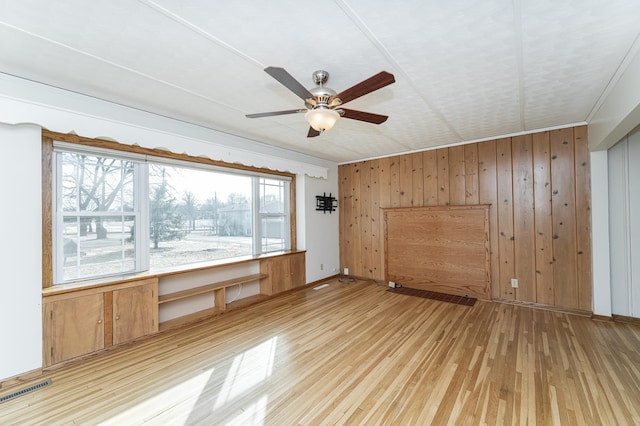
pixel 284 273
pixel 135 312
pixel 81 322
pixel 73 327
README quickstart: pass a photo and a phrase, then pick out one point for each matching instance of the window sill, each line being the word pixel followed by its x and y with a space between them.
pixel 157 273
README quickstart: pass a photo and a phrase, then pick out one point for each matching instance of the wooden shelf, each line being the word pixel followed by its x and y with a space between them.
pixel 170 297
pixel 186 319
pixel 246 301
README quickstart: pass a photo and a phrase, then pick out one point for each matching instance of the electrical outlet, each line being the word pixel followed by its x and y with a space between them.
pixel 392 284
pixel 514 282
pixel 321 266
pixel 346 271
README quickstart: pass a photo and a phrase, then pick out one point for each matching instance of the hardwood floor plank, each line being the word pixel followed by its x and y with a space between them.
pixel 355 354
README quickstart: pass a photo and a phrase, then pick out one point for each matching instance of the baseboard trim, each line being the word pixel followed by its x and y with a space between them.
pixel 601 318
pixel 20 379
pixel 628 320
pixel 544 307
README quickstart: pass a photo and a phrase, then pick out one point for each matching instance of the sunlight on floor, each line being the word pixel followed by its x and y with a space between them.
pixel 252 415
pixel 194 386
pixel 246 371
pixel 249 369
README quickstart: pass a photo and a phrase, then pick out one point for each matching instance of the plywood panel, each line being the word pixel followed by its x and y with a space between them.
pixel 563 200
pixel 430 175
pixel 443 176
pixel 543 220
pixel 524 220
pixel 505 217
pixel 471 174
pixel 488 194
pixel 457 178
pixel 443 249
pixel 583 218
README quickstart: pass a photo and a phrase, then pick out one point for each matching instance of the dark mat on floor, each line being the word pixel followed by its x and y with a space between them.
pixel 443 297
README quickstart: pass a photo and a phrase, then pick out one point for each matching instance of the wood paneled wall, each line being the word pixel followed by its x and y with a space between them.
pixel 540 221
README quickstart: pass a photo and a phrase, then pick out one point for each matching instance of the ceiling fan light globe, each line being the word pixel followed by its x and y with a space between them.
pixel 322 119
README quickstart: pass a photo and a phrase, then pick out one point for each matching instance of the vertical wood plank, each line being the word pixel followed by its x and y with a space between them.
pixel 430 175
pixel 505 217
pixel 524 220
pixel 443 176
pixel 471 173
pixel 563 200
pixel 418 180
pixel 583 218
pixel 346 228
pixel 394 168
pixel 488 194
pixel 384 173
pixel 543 219
pixel 365 219
pixel 47 216
pixel 457 178
pixel 355 259
pixel 406 180
pixel 376 242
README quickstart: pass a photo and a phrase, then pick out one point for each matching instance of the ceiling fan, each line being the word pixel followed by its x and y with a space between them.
pixel 324 105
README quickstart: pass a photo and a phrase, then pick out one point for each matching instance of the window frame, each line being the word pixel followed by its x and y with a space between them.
pixel 137 153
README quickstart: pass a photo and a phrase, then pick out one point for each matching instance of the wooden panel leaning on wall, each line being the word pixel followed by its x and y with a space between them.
pixel 439 248
pixel 539 219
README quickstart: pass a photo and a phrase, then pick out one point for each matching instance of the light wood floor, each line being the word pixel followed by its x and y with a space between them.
pixel 356 354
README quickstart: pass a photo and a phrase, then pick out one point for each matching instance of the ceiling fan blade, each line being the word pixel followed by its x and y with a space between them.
pixel 312 132
pixel 369 85
pixel 272 113
pixel 289 82
pixel 364 116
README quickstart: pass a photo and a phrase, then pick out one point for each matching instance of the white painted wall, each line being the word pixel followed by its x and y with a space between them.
pixel 624 225
pixel 23 102
pixel 20 250
pixel 600 234
pixel 321 229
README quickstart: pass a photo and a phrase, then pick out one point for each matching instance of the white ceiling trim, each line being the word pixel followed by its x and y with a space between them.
pixel 194 28
pixel 396 66
pixel 121 67
pixel 510 135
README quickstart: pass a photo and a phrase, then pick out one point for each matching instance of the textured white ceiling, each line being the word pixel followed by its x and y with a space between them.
pixel 465 70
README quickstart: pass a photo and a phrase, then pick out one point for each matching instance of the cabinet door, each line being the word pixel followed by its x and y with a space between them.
pixel 135 312
pixel 279 274
pixel 298 270
pixel 73 327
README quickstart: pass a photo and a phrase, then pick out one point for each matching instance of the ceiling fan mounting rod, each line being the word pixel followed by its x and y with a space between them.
pixel 320 77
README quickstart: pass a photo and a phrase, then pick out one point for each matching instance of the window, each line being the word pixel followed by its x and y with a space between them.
pixel 119 212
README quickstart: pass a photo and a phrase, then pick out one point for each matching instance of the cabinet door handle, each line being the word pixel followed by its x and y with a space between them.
pixel 99 321
pixel 117 317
